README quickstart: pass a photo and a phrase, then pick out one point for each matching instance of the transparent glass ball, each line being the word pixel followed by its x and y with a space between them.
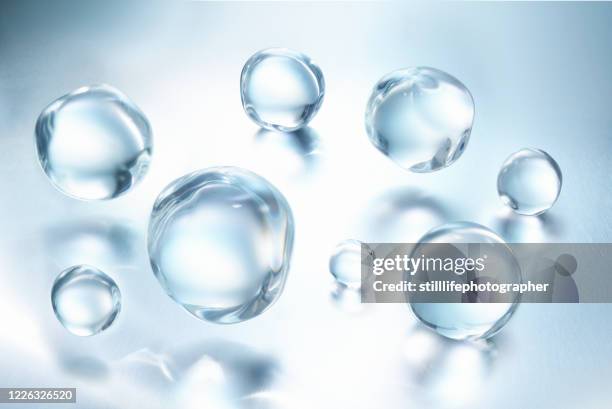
pixel 421 118
pixel 85 300
pixel 460 319
pixel 281 89
pixel 220 243
pixel 94 143
pixel 529 182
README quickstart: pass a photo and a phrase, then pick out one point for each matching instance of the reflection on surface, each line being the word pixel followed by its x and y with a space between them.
pixel 516 228
pixel 446 373
pixel 272 400
pixel 346 299
pixel 404 215
pixel 217 374
pixel 290 153
pixel 99 243
pixel 147 367
pixel 249 371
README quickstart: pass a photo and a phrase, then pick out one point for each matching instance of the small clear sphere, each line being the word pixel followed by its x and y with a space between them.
pixel 220 242
pixel 281 89
pixel 93 143
pixel 85 300
pixel 345 263
pixel 529 182
pixel 421 118
pixel 461 319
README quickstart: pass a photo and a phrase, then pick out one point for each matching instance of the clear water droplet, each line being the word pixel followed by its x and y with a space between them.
pixel 345 263
pixel 93 143
pixel 220 242
pixel 529 182
pixel 469 320
pixel 85 300
pixel 421 118
pixel 281 89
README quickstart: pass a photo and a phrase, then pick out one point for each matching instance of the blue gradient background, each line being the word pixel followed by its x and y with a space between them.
pixel 541 76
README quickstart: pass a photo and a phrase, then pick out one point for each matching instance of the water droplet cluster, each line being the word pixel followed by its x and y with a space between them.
pixel 220 239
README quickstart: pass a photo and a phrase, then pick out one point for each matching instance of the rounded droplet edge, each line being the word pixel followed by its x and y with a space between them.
pixel 301 58
pixel 199 312
pixel 376 95
pixel 115 294
pixel 508 202
pixel 500 323
pixel 58 103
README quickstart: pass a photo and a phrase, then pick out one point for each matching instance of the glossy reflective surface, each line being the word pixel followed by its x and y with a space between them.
pixel 177 61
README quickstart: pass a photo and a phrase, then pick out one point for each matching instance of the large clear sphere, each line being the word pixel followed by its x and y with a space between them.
pixel 220 242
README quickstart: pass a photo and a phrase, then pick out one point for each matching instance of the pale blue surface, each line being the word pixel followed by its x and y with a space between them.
pixel 540 75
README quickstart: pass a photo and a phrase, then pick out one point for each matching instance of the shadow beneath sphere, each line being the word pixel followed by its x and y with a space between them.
pixel 346 299
pixel 294 153
pixel 248 370
pixel 445 372
pixel 404 215
pixel 83 366
pixel 516 228
pixel 95 242
pixel 205 374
